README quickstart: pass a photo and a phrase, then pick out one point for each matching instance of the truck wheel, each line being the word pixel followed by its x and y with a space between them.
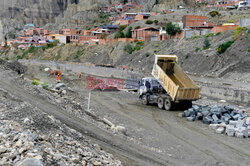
pixel 160 102
pixel 167 104
pixel 144 100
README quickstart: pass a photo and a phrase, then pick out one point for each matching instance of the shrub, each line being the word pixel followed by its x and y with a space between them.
pixel 208 35
pixel 156 22
pixel 197 49
pixel 35 82
pixel 19 57
pixel 238 30
pixel 103 36
pixel 214 13
pixel 172 29
pixel 129 33
pixel 218 33
pixel 156 45
pixel 206 44
pixel 120 34
pixel 58 56
pixel 147 55
pixel 128 48
pixel 195 37
pixel 138 27
pixel 248 49
pixel 223 47
pixel 155 50
pixel 45 86
pixel 149 22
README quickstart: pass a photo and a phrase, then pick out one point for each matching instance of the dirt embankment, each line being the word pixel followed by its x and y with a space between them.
pixel 192 57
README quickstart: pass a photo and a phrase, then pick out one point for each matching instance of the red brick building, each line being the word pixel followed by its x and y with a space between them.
pixel 191 21
pixel 146 34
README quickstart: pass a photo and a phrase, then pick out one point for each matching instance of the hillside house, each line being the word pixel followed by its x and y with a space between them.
pixel 142 16
pixel 146 34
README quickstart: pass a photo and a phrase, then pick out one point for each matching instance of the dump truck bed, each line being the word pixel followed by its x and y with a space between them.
pixel 173 79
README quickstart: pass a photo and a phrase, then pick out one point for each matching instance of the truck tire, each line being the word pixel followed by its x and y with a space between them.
pixel 167 104
pixel 160 102
pixel 144 100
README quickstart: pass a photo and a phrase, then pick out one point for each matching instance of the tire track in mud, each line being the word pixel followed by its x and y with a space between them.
pixel 169 128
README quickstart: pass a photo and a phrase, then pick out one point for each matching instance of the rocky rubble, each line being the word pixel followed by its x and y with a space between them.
pixel 30 137
pixel 224 119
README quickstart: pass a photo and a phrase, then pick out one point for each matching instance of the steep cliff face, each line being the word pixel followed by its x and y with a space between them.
pixel 16 13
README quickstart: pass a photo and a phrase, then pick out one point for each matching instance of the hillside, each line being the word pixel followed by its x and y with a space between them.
pixel 192 57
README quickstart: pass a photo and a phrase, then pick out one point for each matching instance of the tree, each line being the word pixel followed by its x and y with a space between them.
pixel 214 13
pixel 172 29
pixel 129 33
pixel 120 34
pixel 206 44
pixel 103 36
pixel 149 22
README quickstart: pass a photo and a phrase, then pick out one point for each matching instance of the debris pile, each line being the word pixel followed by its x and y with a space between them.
pixel 223 119
pixel 20 146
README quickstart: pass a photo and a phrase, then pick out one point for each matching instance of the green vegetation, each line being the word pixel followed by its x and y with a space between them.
pixel 35 82
pixel 58 56
pixel 129 33
pixel 149 22
pixel 214 13
pixel 45 86
pixel 206 44
pixel 218 33
pixel 139 45
pixel 154 50
pixel 208 35
pixel 79 53
pixel 138 27
pixel 120 33
pixel 172 29
pixel 238 30
pixel 31 49
pixel 156 22
pixel 195 37
pixel 128 48
pixel 248 49
pixel 103 36
pixel 157 45
pixel 223 47
pixel 197 49
pixel 19 57
pixel 147 54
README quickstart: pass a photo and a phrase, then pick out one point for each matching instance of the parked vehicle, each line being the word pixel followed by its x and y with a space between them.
pixel 169 86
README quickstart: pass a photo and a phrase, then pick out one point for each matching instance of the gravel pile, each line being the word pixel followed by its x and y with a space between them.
pixel 224 119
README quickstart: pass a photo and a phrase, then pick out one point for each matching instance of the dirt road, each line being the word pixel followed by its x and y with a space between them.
pixel 154 137
pixel 187 142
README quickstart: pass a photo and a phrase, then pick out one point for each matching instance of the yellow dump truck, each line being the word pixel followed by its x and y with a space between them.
pixel 170 84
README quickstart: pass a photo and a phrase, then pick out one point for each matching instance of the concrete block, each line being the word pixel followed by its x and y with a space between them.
pixel 230 130
pixel 228 108
pixel 187 113
pixel 220 130
pixel 215 118
pixel 213 126
pixel 199 116
pixel 196 108
pixel 236 117
pixel 231 122
pixel 239 135
pixel 191 118
pixel 207 119
pixel 239 123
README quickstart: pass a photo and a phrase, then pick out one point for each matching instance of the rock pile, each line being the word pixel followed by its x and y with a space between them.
pixel 223 119
pixel 20 146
